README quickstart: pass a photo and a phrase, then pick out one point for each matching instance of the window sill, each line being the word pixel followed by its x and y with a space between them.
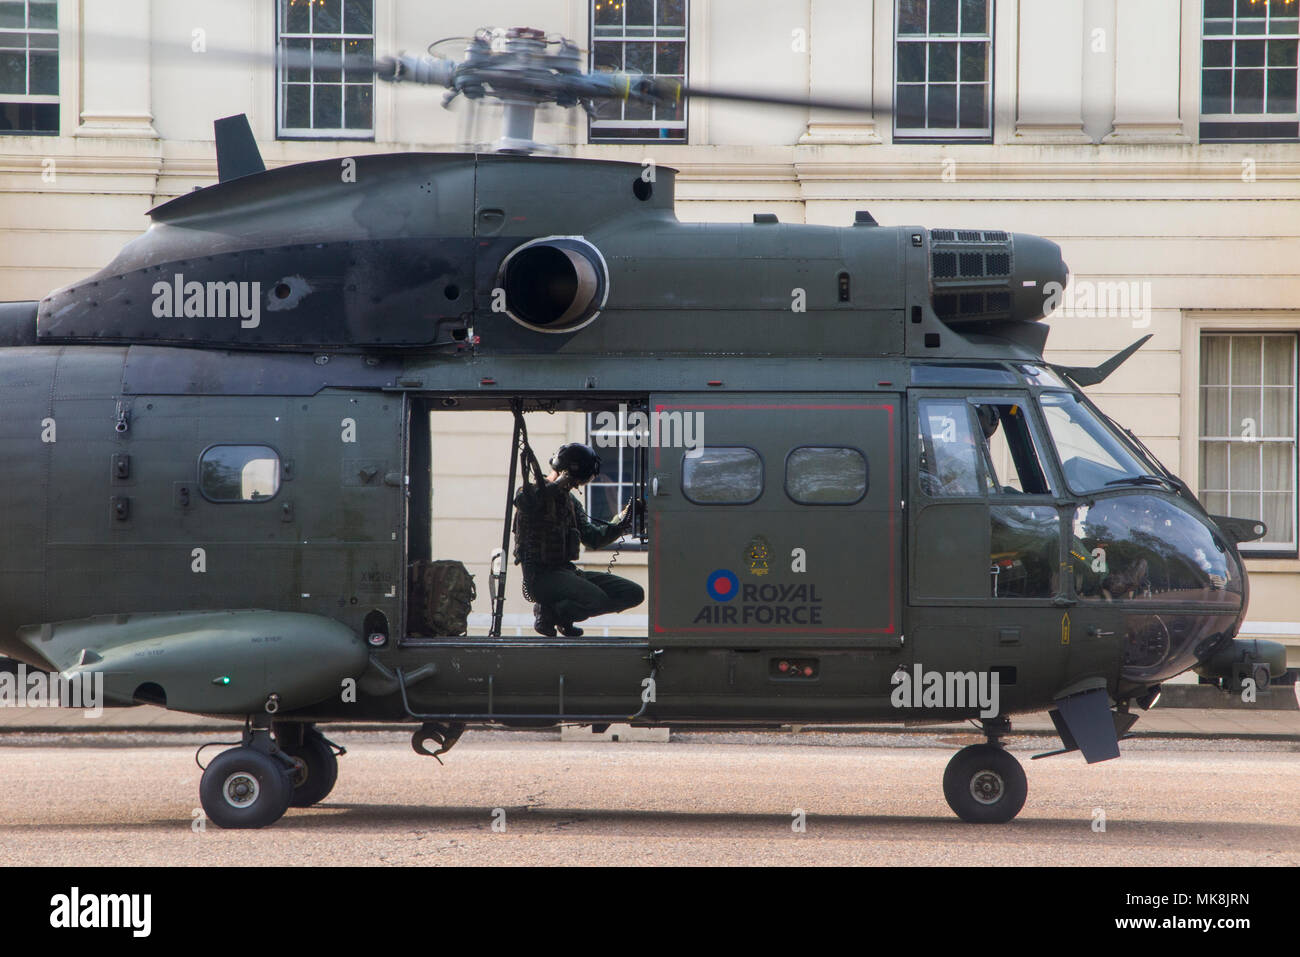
pixel 941 138
pixel 327 136
pixel 1283 566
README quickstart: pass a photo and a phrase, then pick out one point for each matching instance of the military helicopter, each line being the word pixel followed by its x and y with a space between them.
pixel 217 464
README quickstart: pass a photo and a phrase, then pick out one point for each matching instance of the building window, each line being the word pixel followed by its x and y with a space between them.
pixel 943 69
pixel 1248 70
pixel 1248 433
pixel 29 67
pixel 639 36
pixel 609 491
pixel 319 97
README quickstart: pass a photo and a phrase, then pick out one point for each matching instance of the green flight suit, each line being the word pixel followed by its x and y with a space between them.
pixel 549 525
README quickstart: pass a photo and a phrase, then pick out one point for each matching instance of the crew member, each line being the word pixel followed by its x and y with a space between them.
pixel 549 524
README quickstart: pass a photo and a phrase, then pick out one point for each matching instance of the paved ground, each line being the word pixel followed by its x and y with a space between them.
pixel 130 798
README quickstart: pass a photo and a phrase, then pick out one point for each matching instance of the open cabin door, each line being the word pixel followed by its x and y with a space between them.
pixel 775 518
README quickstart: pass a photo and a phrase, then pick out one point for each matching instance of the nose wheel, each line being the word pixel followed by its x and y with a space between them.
pixel 984 784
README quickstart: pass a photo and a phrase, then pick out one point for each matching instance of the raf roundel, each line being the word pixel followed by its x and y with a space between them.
pixel 723 585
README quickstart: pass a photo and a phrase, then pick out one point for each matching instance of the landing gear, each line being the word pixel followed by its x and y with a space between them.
pixel 251 785
pixel 316 766
pixel 984 784
pixel 244 788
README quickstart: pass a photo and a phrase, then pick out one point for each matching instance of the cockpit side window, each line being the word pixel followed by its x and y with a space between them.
pixel 1014 453
pixel 978 447
pixel 1091 455
pixel 949 451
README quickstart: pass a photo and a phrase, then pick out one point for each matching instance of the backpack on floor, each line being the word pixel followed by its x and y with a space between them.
pixel 442 593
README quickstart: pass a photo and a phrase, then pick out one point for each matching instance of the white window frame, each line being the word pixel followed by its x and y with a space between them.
pixel 930 133
pixel 35 98
pixel 594 126
pixel 1270 558
pixel 285 132
pixel 1235 35
pixel 611 455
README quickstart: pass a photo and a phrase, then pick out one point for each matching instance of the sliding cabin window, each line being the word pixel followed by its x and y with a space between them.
pixel 823 475
pixel 722 476
pixel 239 473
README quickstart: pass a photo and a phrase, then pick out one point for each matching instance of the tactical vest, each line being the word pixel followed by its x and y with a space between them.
pixel 545 527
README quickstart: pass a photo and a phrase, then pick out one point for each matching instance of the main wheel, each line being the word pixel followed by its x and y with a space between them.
pixel 318 769
pixel 243 787
pixel 984 784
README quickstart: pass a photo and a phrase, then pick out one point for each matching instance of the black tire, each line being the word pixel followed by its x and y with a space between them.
pixel 244 788
pixel 318 773
pixel 985 785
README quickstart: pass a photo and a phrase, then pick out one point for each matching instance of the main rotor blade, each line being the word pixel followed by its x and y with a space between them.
pixel 774 99
pixel 663 90
pixel 505 76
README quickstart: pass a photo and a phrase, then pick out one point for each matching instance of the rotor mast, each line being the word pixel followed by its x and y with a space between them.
pixel 526 68
pixel 522 67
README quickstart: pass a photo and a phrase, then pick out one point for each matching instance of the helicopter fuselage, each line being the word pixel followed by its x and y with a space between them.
pixel 868 497
pixel 116 539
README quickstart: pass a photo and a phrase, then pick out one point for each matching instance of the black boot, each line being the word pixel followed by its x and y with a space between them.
pixel 570 630
pixel 543 621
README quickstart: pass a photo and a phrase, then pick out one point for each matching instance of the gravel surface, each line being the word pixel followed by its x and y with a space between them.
pixel 714 798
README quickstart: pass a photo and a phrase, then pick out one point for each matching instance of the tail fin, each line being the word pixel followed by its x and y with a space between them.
pixel 237 153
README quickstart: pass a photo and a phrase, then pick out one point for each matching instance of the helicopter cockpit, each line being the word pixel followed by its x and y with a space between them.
pixel 1079 517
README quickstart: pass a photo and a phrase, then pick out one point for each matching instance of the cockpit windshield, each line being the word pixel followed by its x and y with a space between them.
pixel 1092 456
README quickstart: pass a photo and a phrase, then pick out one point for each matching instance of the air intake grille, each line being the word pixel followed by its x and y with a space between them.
pixel 973 305
pixel 968 236
pixel 971 266
pixel 969 257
